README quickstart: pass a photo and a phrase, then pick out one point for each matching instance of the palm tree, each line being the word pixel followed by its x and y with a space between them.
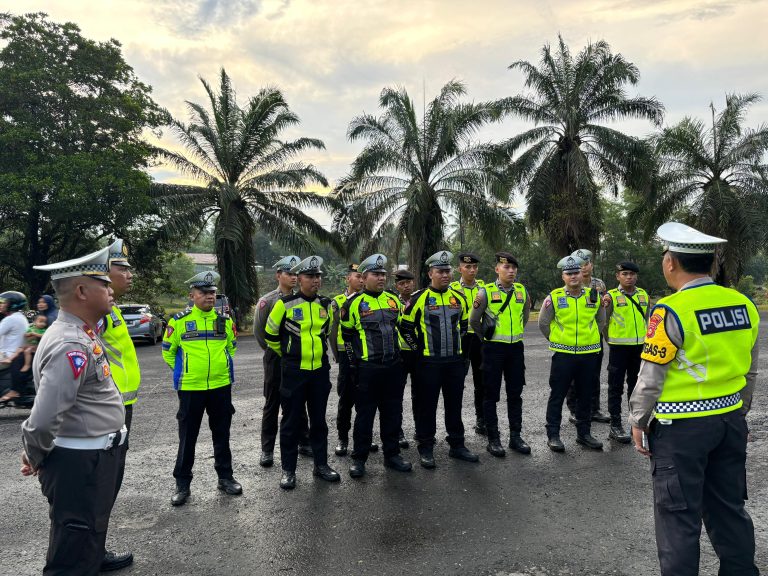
pixel 412 173
pixel 564 161
pixel 716 179
pixel 249 180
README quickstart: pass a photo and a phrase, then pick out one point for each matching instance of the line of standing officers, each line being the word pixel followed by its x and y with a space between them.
pixel 435 335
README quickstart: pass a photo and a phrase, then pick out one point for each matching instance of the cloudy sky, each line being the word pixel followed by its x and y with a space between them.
pixel 331 58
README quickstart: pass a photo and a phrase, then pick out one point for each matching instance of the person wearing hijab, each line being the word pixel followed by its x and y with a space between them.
pixel 47 307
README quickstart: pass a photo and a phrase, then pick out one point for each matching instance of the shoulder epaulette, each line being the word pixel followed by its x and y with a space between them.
pixel 324 301
pixel 459 293
pixel 391 293
pixel 222 315
pixel 180 315
pixel 289 297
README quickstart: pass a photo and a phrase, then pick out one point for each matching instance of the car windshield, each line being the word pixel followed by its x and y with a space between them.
pixel 134 310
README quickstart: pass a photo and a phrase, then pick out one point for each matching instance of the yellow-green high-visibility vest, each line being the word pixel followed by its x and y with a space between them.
pixel 509 323
pixel 706 374
pixel 121 354
pixel 297 329
pixel 627 326
pixel 574 328
pixel 469 294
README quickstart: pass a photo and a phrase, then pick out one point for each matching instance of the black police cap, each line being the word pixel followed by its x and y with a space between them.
pixel 628 266
pixel 404 275
pixel 506 258
pixel 468 258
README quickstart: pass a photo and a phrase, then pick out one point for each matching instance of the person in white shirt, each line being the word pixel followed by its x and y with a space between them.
pixel 13 328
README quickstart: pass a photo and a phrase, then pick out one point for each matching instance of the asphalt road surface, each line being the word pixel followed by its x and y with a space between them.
pixel 582 512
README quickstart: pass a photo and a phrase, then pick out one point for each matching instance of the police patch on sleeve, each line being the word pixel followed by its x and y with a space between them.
pixel 77 361
pixel 658 348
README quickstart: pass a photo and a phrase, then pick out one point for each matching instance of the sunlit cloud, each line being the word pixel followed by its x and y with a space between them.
pixel 332 58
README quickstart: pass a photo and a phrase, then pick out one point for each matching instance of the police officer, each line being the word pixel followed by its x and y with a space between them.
pixel 286 284
pixel 432 325
pixel 124 365
pixel 369 327
pixel 404 285
pixel 699 366
pixel 198 346
pixel 73 435
pixel 345 381
pixel 600 289
pixel 471 344
pixel 499 314
pixel 572 319
pixel 626 308
pixel 297 329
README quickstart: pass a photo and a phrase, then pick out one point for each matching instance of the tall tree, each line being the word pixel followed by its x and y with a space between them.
pixel 713 175
pixel 249 180
pixel 72 158
pixel 564 161
pixel 412 172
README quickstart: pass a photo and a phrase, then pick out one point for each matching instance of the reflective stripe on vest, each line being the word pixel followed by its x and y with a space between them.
pixel 719 330
pixel 369 326
pixel 574 328
pixel 121 354
pixel 627 325
pixel 469 294
pixel 509 325
pixel 339 301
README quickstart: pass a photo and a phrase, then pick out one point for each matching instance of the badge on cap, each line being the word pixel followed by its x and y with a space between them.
pixel 444 257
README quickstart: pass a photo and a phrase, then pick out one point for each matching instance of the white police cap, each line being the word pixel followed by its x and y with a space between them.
pixel 440 259
pixel 205 280
pixel 681 238
pixel 584 254
pixel 310 265
pixel 95 265
pixel 286 263
pixel 571 263
pixel 374 263
pixel 118 253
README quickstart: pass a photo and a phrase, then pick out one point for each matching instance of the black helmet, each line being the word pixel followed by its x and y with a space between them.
pixel 16 300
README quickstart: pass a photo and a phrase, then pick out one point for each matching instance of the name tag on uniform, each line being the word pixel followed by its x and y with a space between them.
pixel 562 302
pixel 591 304
pixel 191 326
pixel 723 319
